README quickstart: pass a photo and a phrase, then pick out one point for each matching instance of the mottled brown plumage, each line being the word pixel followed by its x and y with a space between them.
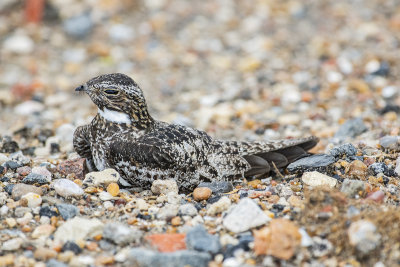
pixel 125 137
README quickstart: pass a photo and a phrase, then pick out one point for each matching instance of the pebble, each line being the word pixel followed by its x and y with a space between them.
pixel 389 142
pixel 44 254
pixel 8 259
pixel 67 188
pixel 19 44
pixel 113 189
pixel 357 170
pixel 42 171
pixel 363 236
pixel 202 193
pixel 197 238
pixel 319 162
pixel 13 165
pixel 141 204
pixel 101 178
pixel 11 222
pixel 75 166
pixel 105 196
pixel 168 211
pixel 245 216
pixel 142 257
pixel 221 205
pixel 218 187
pixel 397 168
pixel 67 211
pixel 280 239
pixel 33 200
pixel 379 167
pixel 350 129
pixel 168 242
pixel 347 150
pixel 164 187
pixel 43 230
pixel 48 211
pixel 121 234
pixel 188 210
pixel 78 26
pixel 24 170
pixel 34 178
pixel 78 228
pixel 173 198
pixel 352 187
pixel 28 107
pixel 377 196
pixel 22 189
pixel 321 247
pixel 3 198
pixel 71 246
pixel 12 244
pixel 318 179
pixel 3 157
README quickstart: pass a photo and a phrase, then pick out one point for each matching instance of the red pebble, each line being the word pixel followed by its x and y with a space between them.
pixel 167 242
pixel 76 166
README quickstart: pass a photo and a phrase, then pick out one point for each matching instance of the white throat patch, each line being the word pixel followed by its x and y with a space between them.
pixel 114 116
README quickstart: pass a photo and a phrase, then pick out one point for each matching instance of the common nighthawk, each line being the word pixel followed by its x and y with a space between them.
pixel 125 137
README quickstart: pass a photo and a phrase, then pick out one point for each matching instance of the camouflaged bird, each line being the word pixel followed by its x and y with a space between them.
pixel 125 137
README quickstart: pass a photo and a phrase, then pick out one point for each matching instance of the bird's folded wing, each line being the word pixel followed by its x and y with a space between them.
pixel 147 154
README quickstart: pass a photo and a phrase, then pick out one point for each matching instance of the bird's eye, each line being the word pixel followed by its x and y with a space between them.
pixel 111 92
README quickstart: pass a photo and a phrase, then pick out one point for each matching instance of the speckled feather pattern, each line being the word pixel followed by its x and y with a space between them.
pixel 146 149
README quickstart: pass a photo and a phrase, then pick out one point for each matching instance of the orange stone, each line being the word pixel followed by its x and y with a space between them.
pixel 280 239
pixel 113 189
pixel 176 221
pixel 167 242
pixel 92 246
pixel 202 193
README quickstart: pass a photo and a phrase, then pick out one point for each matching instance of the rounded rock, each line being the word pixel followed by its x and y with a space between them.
pixel 164 187
pixel 67 188
pixel 202 193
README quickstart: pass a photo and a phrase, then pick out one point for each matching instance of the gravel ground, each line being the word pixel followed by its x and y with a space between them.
pixel 244 70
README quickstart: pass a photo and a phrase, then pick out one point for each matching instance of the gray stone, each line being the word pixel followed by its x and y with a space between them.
pixel 218 186
pixel 13 165
pixel 188 209
pixel 67 211
pixel 389 142
pixel 121 234
pixel 346 149
pixel 78 26
pixel 141 257
pixel 245 216
pixel 34 178
pixel 350 129
pixel 197 238
pixel 20 211
pixel 319 162
pixel 351 187
pixel 379 167
pixel 168 211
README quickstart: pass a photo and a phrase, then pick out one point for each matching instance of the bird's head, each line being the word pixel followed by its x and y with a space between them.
pixel 118 98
